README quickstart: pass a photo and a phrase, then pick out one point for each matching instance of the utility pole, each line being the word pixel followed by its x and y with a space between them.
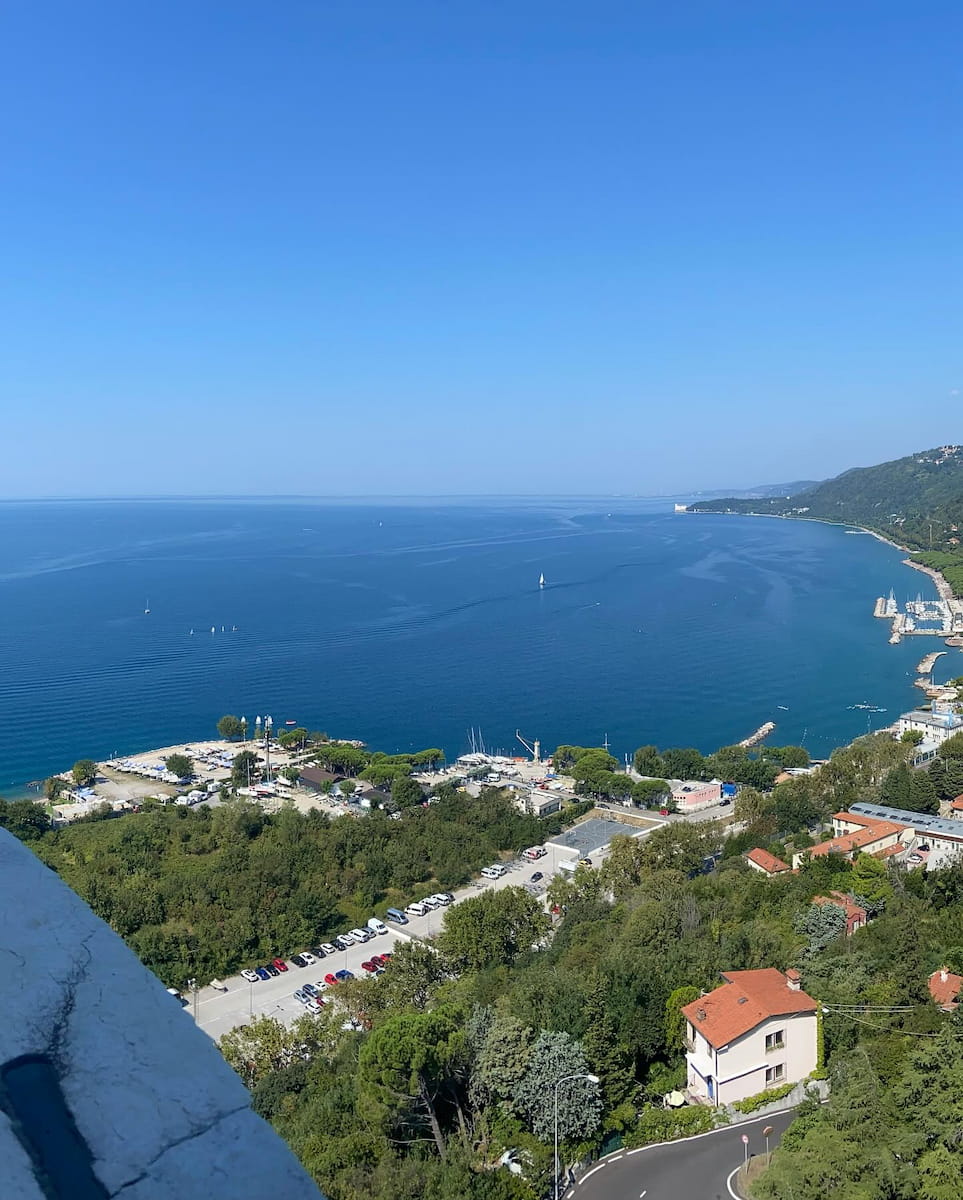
pixel 192 984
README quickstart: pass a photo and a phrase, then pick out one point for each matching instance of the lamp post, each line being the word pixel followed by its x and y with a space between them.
pixel 558 1084
pixel 192 984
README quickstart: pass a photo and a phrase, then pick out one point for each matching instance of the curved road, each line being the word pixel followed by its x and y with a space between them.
pixel 696 1168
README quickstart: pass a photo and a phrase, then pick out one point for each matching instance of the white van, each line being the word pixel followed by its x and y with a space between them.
pixel 495 872
pixel 376 926
pixel 416 910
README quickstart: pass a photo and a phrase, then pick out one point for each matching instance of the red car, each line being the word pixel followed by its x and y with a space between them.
pixel 280 964
pixel 371 966
pixel 331 980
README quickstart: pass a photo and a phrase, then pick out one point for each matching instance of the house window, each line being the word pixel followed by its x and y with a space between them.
pixel 775 1041
pixel 775 1074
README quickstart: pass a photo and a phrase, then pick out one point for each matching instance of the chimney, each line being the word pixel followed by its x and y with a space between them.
pixel 792 979
pixel 943 974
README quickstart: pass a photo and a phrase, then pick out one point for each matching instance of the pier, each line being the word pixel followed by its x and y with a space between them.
pixel 761 733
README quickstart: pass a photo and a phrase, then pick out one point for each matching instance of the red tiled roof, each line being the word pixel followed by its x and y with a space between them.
pixel 768 862
pixel 888 852
pixel 944 991
pixel 957 804
pixel 849 907
pixel 846 843
pixel 745 1000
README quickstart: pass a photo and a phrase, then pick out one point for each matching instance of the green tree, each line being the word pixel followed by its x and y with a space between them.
pixel 84 772
pixel 244 769
pixel 293 738
pixel 412 1058
pixel 912 737
pixel 24 819
pixel 230 728
pixel 648 761
pixel 53 786
pixel 180 765
pixel 923 797
pixel 684 763
pixel 265 1045
pixel 606 1055
pixel 649 793
pixel 554 1057
pixel 405 792
pixel 492 928
pixel 821 924
pixel 896 790
pixel 674 1020
pixel 501 1060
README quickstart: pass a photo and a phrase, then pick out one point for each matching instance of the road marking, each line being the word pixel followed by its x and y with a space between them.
pixel 586 1178
pixel 641 1194
pixel 735 1195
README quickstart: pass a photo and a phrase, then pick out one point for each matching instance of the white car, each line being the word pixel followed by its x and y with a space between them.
pixel 327 948
pixel 309 958
pixel 442 898
pixel 249 975
pixel 359 935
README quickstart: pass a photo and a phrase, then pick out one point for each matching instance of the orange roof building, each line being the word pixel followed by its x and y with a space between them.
pixel 756 1031
pixel 867 835
pixel 945 989
pixel 763 861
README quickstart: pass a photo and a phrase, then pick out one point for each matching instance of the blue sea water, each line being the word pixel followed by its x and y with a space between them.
pixel 408 624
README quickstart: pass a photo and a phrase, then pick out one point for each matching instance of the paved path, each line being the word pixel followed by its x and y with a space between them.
pixel 697 1168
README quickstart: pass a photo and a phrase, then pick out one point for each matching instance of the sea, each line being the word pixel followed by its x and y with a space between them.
pixel 422 623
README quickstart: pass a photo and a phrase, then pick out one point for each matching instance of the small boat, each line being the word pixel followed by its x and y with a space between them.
pixel 192 633
pixel 290 722
pixel 147 609
pixel 784 707
pixel 541 580
pixel 212 629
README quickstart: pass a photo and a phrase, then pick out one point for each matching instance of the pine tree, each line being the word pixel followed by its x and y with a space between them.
pixel 606 1056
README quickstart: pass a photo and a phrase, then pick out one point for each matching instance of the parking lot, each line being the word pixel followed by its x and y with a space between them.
pixel 218 1012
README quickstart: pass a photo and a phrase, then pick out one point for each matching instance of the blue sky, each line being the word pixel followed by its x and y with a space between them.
pixel 494 247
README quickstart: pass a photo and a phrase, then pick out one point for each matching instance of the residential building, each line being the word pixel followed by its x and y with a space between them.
pixel 936 726
pixel 956 808
pixel 854 836
pixel 768 864
pixel 856 915
pixel 756 1031
pixel 539 804
pixel 945 989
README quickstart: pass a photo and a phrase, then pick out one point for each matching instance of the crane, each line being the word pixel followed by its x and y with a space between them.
pixel 534 750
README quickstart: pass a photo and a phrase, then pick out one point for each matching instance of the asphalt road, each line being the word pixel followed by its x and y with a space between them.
pixel 697 1168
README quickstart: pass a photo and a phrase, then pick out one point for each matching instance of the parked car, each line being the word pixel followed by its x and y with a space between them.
pixel 262 973
pixel 309 959
pixel 923 846
pixel 272 970
pixel 360 935
pixel 369 966
pixel 318 951
pixel 304 998
pixel 385 959
pixel 343 975
pixel 320 985
pixel 249 975
pixel 331 980
pixel 298 960
pixel 328 948
pixel 536 876
pixel 443 898
pixel 396 915
pixel 310 990
pixel 280 964
pixel 343 942
pixel 915 858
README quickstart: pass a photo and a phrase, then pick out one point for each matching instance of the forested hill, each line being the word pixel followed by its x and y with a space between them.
pixel 917 501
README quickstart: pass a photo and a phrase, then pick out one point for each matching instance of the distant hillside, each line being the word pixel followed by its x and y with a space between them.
pixel 917 501
pixel 765 490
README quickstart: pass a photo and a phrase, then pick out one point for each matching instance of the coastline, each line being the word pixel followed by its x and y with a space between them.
pixel 943 588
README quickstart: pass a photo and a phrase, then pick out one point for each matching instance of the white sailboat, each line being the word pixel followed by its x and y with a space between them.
pixel 541 580
pixel 147 609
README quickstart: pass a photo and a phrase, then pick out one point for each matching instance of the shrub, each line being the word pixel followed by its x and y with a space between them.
pixel 666 1124
pixel 752 1103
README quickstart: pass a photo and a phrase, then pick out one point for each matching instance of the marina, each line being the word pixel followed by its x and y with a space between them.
pixel 942 617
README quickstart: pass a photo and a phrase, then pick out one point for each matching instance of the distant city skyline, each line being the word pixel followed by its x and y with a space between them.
pixel 491 250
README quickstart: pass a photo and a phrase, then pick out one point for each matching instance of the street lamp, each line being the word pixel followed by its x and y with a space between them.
pixel 558 1084
pixel 192 984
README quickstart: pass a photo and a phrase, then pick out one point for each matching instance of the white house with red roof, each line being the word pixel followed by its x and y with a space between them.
pixel 768 864
pixel 756 1031
pixel 945 988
